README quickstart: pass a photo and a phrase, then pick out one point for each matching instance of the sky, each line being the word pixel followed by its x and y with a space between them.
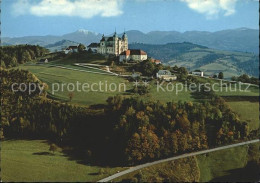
pixel 58 17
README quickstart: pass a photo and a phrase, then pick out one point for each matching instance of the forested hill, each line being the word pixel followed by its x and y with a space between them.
pixel 11 56
pixel 211 61
pixel 132 131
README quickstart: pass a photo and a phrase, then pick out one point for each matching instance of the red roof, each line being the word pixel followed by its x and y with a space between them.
pixel 133 52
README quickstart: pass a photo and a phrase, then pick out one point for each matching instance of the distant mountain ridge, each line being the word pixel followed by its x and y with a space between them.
pixel 60 45
pixel 241 39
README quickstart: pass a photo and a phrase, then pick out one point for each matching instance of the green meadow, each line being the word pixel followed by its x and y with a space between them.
pixel 247 111
pixel 55 77
pixel 31 161
pixel 228 165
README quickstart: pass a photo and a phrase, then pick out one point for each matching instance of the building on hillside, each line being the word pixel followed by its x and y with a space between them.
pixel 93 47
pixel 134 55
pixel 113 45
pixel 71 49
pixel 165 75
pixel 197 73
pixel 156 61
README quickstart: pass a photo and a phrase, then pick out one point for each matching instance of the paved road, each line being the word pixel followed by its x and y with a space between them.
pixel 174 158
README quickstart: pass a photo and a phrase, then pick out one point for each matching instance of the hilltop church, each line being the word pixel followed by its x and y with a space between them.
pixel 113 45
pixel 117 46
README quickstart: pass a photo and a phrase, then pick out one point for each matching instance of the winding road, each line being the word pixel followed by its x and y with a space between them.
pixel 110 178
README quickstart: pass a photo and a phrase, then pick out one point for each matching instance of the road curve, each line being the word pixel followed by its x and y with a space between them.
pixel 174 158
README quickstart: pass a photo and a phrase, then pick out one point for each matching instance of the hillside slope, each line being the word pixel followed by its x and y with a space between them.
pixel 60 45
pixel 208 60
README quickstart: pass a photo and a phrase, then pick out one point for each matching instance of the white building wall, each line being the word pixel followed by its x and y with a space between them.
pixel 143 57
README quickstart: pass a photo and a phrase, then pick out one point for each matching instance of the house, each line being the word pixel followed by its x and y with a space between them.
pixel 93 47
pixel 197 73
pixel 71 49
pixel 135 55
pixel 156 61
pixel 165 75
pixel 44 61
pixel 113 45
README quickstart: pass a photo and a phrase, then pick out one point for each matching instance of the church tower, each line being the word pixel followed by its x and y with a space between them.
pixel 125 42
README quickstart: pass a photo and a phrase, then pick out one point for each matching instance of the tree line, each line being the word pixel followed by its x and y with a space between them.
pixel 125 130
pixel 244 78
pixel 11 56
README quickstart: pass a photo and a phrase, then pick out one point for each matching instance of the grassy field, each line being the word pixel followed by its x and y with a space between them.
pixel 30 160
pixel 51 75
pixel 248 111
pixel 217 164
pixel 82 58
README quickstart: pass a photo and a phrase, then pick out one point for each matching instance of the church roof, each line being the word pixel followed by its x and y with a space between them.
pixel 133 52
pixel 93 45
pixel 137 52
pixel 110 39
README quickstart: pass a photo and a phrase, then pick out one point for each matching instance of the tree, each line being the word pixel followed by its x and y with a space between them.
pixel 71 95
pixel 233 78
pixel 26 57
pixel 183 123
pixel 147 68
pixel 3 64
pixel 183 70
pixel 90 50
pixel 53 148
pixel 141 89
pixel 81 48
pixel 13 62
pixel 143 145
pixel 220 75
pixel 244 78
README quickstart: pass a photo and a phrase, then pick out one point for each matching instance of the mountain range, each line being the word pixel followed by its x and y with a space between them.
pixel 241 39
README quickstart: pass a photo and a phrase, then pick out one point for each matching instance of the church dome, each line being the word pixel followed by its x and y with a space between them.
pixel 124 36
pixel 115 34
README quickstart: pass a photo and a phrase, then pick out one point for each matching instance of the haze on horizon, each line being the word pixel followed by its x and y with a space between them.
pixel 58 17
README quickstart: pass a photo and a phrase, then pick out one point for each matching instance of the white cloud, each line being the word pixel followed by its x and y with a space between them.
pixel 212 8
pixel 80 8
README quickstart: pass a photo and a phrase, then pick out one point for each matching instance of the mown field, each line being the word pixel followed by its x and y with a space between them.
pixel 82 58
pixel 55 77
pixel 31 161
pixel 248 111
pixel 51 75
pixel 217 164
pixel 229 165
